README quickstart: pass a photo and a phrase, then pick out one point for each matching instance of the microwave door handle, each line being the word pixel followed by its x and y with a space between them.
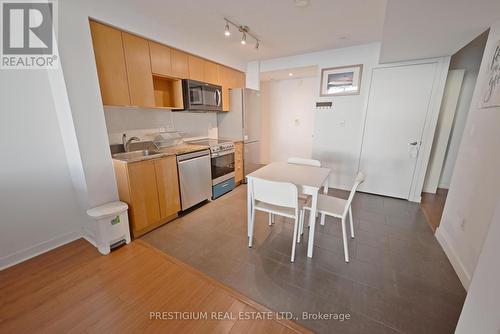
pixel 217 97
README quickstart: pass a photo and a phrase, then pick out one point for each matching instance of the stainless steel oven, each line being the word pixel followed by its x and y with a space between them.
pixel 222 166
pixel 201 96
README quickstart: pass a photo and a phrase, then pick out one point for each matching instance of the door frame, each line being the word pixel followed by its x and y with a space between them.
pixel 431 118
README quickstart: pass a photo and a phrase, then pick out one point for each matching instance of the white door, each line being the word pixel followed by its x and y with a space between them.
pixel 397 109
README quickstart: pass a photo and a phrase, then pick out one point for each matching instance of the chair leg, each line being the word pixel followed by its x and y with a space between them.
pixel 322 222
pixel 344 237
pixel 351 222
pixel 250 235
pixel 301 222
pixel 270 219
pixel 295 229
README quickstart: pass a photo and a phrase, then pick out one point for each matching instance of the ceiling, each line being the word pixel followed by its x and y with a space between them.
pixel 433 28
pixel 284 28
pixel 407 29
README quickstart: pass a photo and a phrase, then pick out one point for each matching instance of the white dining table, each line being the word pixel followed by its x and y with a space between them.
pixel 308 179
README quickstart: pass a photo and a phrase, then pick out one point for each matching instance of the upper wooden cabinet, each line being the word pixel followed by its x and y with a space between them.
pixel 140 79
pixel 212 73
pixel 230 79
pixel 180 66
pixel 134 71
pixel 196 68
pixel 161 58
pixel 110 61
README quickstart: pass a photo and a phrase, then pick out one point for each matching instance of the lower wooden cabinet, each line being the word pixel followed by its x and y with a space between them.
pixel 151 189
pixel 238 162
pixel 167 181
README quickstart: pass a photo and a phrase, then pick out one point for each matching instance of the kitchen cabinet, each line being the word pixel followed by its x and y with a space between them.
pixel 167 181
pixel 143 195
pixel 211 73
pixel 151 190
pixel 138 64
pixel 180 66
pixel 238 162
pixel 161 58
pixel 110 62
pixel 196 68
pixel 134 71
pixel 230 79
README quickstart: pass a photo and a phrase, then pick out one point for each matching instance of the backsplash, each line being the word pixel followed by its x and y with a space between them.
pixel 145 123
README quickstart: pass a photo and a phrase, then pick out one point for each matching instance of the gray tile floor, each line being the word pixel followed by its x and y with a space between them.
pixel 398 281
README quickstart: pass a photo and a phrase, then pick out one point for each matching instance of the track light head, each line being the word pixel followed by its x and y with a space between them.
pixel 227 32
pixel 244 39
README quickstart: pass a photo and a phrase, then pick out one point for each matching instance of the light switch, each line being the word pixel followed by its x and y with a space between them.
pixel 342 124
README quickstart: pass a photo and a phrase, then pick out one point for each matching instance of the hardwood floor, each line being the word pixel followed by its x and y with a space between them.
pixel 433 206
pixel 75 289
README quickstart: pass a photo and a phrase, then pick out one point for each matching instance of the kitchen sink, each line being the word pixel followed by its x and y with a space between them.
pixel 135 154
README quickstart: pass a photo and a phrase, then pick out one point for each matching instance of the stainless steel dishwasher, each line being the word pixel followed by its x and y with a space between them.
pixel 194 177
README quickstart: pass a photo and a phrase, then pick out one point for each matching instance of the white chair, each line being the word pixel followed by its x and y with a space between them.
pixel 303 198
pixel 338 208
pixel 277 198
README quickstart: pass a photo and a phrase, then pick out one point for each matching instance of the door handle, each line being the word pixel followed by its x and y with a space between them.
pixel 415 143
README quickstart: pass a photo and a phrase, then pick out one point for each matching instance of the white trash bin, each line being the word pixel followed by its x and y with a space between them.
pixel 112 228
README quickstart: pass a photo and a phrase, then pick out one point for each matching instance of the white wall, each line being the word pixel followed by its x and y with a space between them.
pixel 468 59
pixel 287 118
pixel 253 75
pixel 38 204
pixel 475 185
pixel 337 131
pixel 480 311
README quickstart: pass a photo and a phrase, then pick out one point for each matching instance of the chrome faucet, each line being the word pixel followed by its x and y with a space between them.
pixel 126 143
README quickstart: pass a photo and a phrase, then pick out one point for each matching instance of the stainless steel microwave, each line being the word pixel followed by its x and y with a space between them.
pixel 201 96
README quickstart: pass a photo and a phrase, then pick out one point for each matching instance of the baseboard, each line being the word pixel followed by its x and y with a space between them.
pixel 457 264
pixel 30 252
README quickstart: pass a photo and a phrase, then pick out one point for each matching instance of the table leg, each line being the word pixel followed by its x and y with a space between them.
pixel 325 191
pixel 312 223
pixel 249 212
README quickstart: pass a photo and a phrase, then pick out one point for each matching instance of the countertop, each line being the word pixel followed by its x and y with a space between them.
pixel 163 152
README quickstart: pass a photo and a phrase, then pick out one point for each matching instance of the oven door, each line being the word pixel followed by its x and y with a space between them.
pixel 222 166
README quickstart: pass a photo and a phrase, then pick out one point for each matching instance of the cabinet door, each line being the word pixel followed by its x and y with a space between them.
pixel 180 67
pixel 143 195
pixel 140 79
pixel 110 62
pixel 167 181
pixel 225 76
pixel 239 78
pixel 211 73
pixel 196 68
pixel 238 161
pixel 161 59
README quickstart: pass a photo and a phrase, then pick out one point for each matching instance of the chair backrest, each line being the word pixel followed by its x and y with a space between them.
pixel 304 161
pixel 360 178
pixel 277 193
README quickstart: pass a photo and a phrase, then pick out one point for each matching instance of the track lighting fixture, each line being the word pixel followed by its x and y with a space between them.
pixel 244 32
